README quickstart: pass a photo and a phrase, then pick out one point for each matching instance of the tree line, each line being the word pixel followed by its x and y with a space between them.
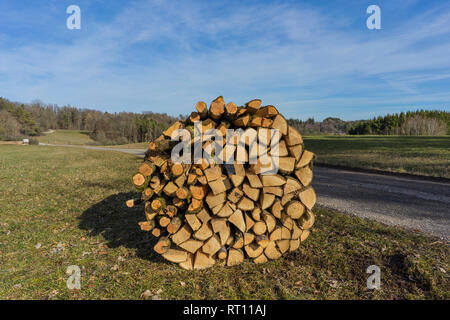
pixel 19 120
pixel 419 122
pixel 30 120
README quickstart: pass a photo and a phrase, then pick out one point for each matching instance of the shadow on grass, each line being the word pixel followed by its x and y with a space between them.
pixel 118 224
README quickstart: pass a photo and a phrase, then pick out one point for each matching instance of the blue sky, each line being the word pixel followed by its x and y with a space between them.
pixel 308 58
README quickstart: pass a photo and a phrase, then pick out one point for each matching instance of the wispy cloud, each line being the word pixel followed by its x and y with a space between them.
pixel 164 55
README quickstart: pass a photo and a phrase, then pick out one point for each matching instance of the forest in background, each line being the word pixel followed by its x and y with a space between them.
pixel 18 120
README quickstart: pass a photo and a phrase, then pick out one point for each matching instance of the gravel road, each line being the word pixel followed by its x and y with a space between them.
pixel 412 203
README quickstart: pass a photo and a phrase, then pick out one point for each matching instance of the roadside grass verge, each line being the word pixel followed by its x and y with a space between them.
pixel 73 137
pixel 65 206
pixel 421 155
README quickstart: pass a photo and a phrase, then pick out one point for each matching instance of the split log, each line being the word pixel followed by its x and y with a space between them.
pixel 280 123
pixel 270 221
pixel 253 250
pixel 256 214
pixel 249 223
pixel 305 234
pixel 183 234
pixel 253 106
pixel 305 175
pixel 272 180
pixel 205 232
pixel 293 137
pixel 254 180
pixel 212 245
pixel 203 216
pixel 163 245
pixel 248 238
pixel 292 185
pixel 213 174
pixel 261 259
pixel 237 218
pixel 203 261
pixel 307 220
pixel 276 209
pixel 177 125
pixel 235 257
pixel 191 245
pixel 294 244
pixel 286 164
pixel 175 255
pixel 276 191
pixel 283 245
pixel 308 197
pixel 267 111
pixel 271 251
pixel 245 204
pixel 306 158
pixel 193 221
pixel 170 189
pixel 252 193
pixel 242 122
pixel 295 151
pixel 189 263
pixel 238 241
pixel 235 195
pixel 266 200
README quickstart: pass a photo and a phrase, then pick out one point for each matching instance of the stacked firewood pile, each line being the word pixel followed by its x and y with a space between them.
pixel 206 211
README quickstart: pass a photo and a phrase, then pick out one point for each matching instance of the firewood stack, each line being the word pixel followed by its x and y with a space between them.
pixel 207 212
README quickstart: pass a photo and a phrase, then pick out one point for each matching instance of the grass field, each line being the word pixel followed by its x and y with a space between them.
pixel 61 207
pixel 408 154
pixel 74 137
